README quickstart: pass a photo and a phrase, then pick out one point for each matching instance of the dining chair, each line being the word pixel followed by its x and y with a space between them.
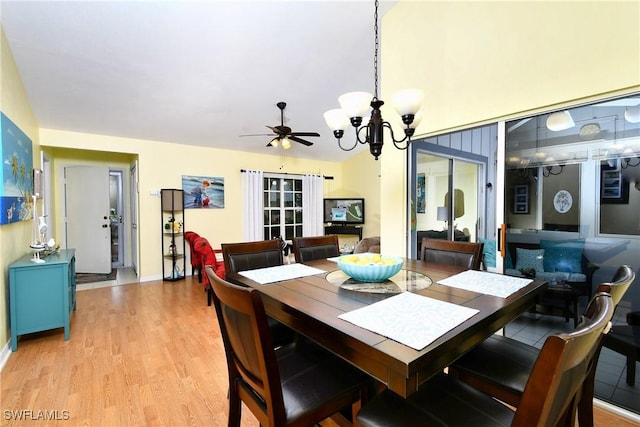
pixel 463 254
pixel 296 385
pixel 501 366
pixel 549 398
pixel 625 339
pixel 317 247
pixel 245 256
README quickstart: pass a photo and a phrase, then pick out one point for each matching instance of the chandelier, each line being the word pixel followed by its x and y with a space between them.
pixel 354 105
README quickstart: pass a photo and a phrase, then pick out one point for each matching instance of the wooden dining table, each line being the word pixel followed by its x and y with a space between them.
pixel 311 305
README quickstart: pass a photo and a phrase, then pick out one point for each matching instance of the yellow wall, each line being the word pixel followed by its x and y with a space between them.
pixel 14 238
pixel 479 62
pixel 161 165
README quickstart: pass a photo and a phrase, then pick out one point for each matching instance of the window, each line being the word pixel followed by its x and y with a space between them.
pixel 282 207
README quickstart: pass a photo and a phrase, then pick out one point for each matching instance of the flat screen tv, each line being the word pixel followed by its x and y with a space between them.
pixel 344 211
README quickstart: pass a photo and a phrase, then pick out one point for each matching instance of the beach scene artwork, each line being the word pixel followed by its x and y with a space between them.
pixel 203 192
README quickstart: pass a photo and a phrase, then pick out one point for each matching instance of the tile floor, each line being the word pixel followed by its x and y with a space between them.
pixel 611 386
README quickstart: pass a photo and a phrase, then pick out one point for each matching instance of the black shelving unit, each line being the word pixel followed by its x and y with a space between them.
pixel 173 244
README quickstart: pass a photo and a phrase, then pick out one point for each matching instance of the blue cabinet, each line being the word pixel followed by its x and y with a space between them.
pixel 42 295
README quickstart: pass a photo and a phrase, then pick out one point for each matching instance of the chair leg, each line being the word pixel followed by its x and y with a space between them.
pixel 631 370
pixel 209 296
pixel 235 410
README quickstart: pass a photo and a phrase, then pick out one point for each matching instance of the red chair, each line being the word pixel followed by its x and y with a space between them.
pixel 196 262
pixel 207 256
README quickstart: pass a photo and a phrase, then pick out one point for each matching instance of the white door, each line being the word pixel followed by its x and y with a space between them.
pixel 87 217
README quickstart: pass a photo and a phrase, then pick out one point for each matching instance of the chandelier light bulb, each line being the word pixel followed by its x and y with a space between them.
pixel 355 104
pixel 408 101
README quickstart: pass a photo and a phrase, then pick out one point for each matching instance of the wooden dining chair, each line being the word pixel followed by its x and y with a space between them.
pixel 296 385
pixel 463 254
pixel 317 247
pixel 245 256
pixel 501 366
pixel 549 399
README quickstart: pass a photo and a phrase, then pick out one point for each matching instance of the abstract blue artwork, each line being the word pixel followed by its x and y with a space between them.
pixel 17 178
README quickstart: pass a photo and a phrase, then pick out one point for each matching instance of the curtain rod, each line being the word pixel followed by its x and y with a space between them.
pixel 330 178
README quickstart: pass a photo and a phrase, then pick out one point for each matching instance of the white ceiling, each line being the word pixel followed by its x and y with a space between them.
pixel 197 73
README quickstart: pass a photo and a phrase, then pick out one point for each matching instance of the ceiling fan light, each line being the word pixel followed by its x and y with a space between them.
pixel 632 114
pixel 560 120
pixel 355 104
pixel 273 143
pixel 408 101
pixel 336 119
pixel 286 143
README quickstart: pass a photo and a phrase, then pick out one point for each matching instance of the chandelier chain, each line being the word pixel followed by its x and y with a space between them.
pixel 375 52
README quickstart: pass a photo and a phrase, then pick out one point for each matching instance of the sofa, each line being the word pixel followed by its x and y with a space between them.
pixel 553 260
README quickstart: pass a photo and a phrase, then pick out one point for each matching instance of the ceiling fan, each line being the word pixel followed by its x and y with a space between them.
pixel 283 134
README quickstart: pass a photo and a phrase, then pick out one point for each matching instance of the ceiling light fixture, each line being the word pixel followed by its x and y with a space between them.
pixel 354 105
pixel 560 120
pixel 548 170
pixel 628 161
pixel 632 114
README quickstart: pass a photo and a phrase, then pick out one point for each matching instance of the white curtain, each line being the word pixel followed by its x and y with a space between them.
pixel 312 194
pixel 252 210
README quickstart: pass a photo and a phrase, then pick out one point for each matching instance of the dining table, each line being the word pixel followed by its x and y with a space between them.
pixel 311 306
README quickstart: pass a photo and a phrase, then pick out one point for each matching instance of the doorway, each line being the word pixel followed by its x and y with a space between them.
pixel 116 211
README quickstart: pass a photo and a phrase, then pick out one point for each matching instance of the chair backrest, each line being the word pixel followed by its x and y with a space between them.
pixel 251 359
pixel 555 383
pixel 251 255
pixel 368 244
pixel 190 237
pixel 462 254
pixel 318 247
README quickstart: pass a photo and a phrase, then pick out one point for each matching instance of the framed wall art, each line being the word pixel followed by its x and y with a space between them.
pixel 520 199
pixel 17 177
pixel 420 193
pixel 203 192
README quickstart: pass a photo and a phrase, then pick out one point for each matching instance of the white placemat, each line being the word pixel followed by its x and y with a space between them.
pixel 482 282
pixel 280 273
pixel 410 319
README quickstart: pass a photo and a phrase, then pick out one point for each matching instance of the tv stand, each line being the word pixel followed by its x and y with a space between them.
pixel 343 229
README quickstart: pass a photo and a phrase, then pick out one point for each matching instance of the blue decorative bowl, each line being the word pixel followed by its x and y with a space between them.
pixel 370 272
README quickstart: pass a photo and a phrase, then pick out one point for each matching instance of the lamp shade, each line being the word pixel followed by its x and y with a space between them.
pixel 336 119
pixel 442 213
pixel 560 120
pixel 408 101
pixel 355 104
pixel 458 202
pixel 286 143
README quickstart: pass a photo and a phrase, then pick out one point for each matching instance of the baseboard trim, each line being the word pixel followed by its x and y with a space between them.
pixel 625 413
pixel 4 355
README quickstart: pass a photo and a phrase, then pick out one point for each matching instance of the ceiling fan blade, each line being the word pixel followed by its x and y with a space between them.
pixel 300 140
pixel 304 134
pixel 257 134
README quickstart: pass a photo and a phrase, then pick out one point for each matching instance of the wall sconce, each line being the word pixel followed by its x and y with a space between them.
pixel 549 170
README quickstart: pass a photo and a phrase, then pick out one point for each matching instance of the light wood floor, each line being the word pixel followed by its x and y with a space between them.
pixel 139 354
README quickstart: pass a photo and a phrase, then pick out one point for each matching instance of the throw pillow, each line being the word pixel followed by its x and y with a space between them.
pixel 530 258
pixel 565 255
pixel 489 252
